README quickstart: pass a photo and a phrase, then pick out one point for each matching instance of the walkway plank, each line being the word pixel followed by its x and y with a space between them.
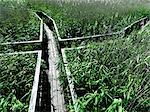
pixel 57 98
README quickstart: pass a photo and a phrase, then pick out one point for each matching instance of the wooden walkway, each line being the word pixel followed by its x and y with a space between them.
pixel 57 98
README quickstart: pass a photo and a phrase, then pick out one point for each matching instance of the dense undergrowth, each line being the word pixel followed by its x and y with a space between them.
pixel 113 76
pixel 17 23
pixel 102 85
pixel 81 19
pixel 16 81
pixel 72 18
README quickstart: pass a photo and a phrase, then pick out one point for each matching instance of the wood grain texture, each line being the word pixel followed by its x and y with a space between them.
pixel 35 84
pixel 57 98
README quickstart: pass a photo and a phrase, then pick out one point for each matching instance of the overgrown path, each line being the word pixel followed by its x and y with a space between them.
pixel 57 97
pixel 52 97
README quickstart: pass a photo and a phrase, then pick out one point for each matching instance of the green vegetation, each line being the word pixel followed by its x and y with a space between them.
pixel 75 19
pixel 107 76
pixel 17 23
pixel 113 76
pixel 16 79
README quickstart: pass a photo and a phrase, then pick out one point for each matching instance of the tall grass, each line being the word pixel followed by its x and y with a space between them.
pixel 125 62
pixel 16 78
pixel 84 18
pixel 113 76
pixel 17 23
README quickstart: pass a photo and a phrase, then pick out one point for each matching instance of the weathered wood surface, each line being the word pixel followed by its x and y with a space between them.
pixel 16 53
pixel 57 98
pixel 35 84
pixel 70 78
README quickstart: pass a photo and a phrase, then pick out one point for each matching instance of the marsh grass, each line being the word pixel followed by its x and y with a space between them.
pixel 16 79
pixel 114 75
pixel 75 19
pixel 17 23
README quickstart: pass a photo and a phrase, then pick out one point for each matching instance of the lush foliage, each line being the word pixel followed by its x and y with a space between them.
pixel 75 19
pixel 17 23
pixel 113 76
pixel 16 78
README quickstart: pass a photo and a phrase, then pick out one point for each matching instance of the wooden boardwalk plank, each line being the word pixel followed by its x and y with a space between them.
pixel 57 98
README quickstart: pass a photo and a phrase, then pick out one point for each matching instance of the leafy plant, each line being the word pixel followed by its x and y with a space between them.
pixel 17 23
pixel 112 76
pixel 16 78
pixel 75 19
